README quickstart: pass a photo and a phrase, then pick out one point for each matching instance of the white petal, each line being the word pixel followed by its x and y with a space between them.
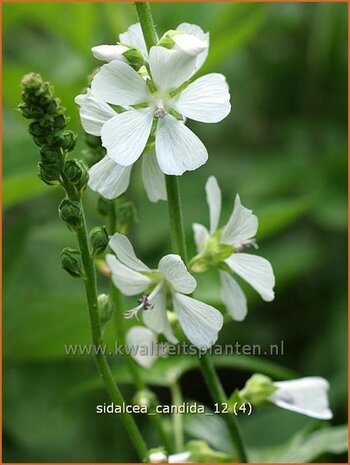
pixel 124 250
pixel 198 32
pixel 200 322
pixel 305 395
pixel 156 317
pixel 133 37
pixel 207 99
pixel 233 297
pixel 201 235
pixel 119 84
pixel 128 281
pixel 175 272
pixel 241 226
pixel 126 134
pixel 141 343
pixel 257 271
pixel 109 52
pixel 93 113
pixel 108 178
pixel 188 43
pixel 170 68
pixel 153 177
pixel 178 149
pixel 213 192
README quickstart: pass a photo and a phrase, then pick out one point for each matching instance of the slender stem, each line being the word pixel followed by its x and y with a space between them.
pixel 147 25
pixel 177 231
pixel 176 395
pixel 179 246
pixel 218 394
pixel 96 334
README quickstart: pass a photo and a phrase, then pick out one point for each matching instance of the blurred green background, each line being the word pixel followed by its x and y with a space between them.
pixel 283 148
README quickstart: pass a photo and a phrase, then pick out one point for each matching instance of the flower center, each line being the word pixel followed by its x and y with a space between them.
pixel 160 112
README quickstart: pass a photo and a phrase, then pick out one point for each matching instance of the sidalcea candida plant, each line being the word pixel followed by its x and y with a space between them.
pixel 137 107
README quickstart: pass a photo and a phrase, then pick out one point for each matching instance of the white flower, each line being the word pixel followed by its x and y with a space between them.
pixel 141 344
pixel 199 321
pixel 181 457
pixel 110 52
pixel 223 247
pixel 308 396
pixel 155 107
pixel 107 177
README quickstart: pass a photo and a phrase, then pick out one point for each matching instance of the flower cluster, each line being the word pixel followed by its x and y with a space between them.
pixel 140 107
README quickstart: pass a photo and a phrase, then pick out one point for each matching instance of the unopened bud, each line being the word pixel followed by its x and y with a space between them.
pixel 71 262
pixel 145 398
pixel 50 156
pixel 77 173
pixel 70 212
pixel 49 174
pixel 68 140
pixel 99 240
pixel 158 455
pixel 134 57
pixel 105 308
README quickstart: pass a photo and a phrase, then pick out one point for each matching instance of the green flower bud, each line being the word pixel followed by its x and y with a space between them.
pixel 134 57
pixel 99 240
pixel 68 140
pixel 257 389
pixel 200 452
pixel 106 308
pixel 146 398
pixel 59 122
pixel 50 156
pixel 158 455
pixel 49 174
pixel 71 262
pixel 70 212
pixel 77 173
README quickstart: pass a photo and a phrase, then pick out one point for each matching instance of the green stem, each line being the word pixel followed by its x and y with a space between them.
pixel 96 334
pixel 179 246
pixel 176 396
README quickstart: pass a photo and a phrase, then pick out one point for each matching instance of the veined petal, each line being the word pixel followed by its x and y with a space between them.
pixel 93 113
pixel 128 281
pixel 156 317
pixel 200 322
pixel 207 99
pixel 198 32
pixel 201 234
pixel 124 250
pixel 178 149
pixel 133 37
pixel 141 343
pixel 213 192
pixel 153 178
pixel 170 68
pixel 257 271
pixel 188 43
pixel 175 272
pixel 308 396
pixel 241 226
pixel 109 52
pixel 126 134
pixel 119 84
pixel 108 178
pixel 233 297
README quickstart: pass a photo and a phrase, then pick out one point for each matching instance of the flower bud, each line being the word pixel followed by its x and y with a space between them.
pixel 49 174
pixel 158 455
pixel 105 308
pixel 134 57
pixel 70 212
pixel 71 262
pixel 77 173
pixel 257 389
pixel 50 156
pixel 99 240
pixel 68 140
pixel 145 398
